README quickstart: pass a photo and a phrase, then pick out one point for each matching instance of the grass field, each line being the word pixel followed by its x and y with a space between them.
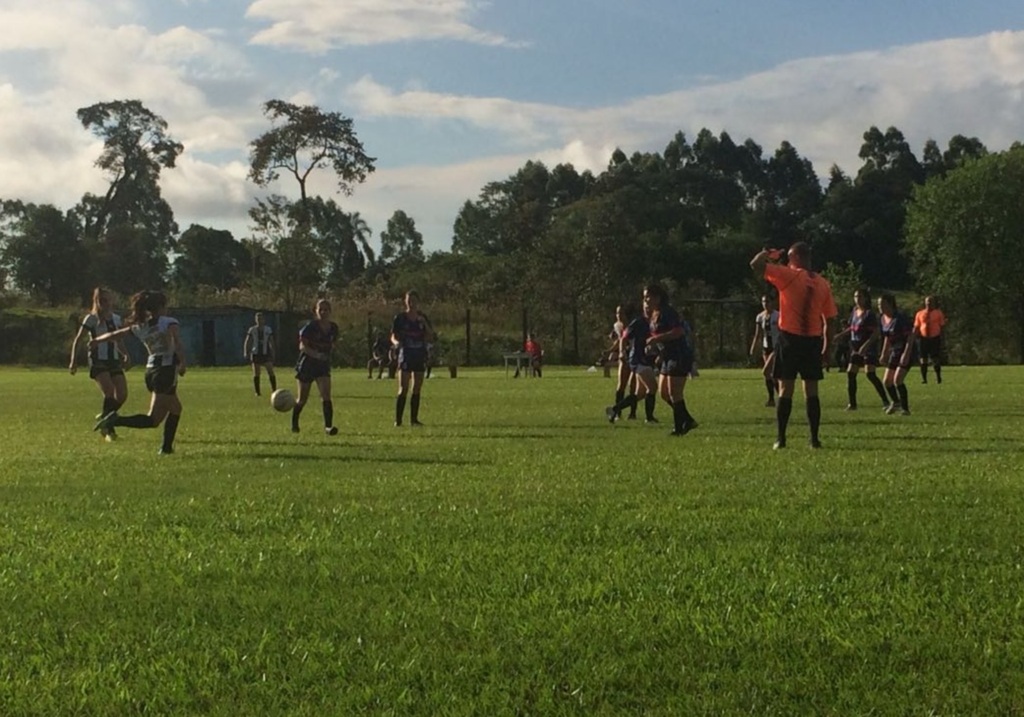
pixel 516 556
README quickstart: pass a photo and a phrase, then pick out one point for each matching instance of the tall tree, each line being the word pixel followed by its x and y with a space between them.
pixel 295 266
pixel 42 252
pixel 136 147
pixel 963 237
pixel 306 139
pixel 401 241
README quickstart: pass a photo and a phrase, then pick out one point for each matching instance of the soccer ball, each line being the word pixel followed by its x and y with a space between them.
pixel 282 400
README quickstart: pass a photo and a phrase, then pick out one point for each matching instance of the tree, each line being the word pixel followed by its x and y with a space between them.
pixel 42 251
pixel 136 147
pixel 341 240
pixel 209 257
pixel 963 237
pixel 400 241
pixel 306 139
pixel 295 265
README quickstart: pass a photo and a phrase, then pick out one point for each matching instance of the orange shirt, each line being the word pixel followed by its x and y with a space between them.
pixel 805 299
pixel 532 347
pixel 928 323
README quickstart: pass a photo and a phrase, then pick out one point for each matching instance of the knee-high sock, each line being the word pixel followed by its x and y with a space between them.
pixel 414 407
pixel 273 380
pixel 851 388
pixel 650 401
pixel 618 396
pixel 256 384
pixel 904 398
pixel 296 412
pixel 893 393
pixel 679 415
pixel 399 408
pixel 109 404
pixel 139 420
pixel 783 408
pixel 924 370
pixel 170 431
pixel 879 388
pixel 769 385
pixel 328 414
pixel 938 373
pixel 814 415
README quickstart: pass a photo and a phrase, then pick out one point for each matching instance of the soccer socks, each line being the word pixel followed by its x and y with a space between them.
pixel 170 431
pixel 624 403
pixel 814 416
pixel 256 384
pixel 904 398
pixel 414 408
pixel 851 388
pixel 296 412
pixel 399 409
pixel 769 385
pixel 938 373
pixel 139 420
pixel 877 383
pixel 632 405
pixel 893 393
pixel 650 401
pixel 328 407
pixel 273 380
pixel 924 372
pixel 681 416
pixel 619 395
pixel 783 409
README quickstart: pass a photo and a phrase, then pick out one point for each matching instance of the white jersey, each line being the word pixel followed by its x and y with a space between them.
pixel 617 328
pixel 156 336
pixel 259 340
pixel 106 351
pixel 769 324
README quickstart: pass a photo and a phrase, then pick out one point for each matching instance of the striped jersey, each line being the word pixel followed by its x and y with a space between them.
pixel 106 351
pixel 259 339
pixel 155 334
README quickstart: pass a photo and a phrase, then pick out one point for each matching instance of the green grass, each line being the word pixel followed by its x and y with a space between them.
pixel 517 556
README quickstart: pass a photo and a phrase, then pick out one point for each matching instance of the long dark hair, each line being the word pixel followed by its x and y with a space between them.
pixel 145 305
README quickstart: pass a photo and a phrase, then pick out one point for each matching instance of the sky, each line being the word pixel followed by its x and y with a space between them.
pixel 449 95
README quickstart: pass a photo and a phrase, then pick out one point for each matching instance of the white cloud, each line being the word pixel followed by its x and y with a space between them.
pixel 320 25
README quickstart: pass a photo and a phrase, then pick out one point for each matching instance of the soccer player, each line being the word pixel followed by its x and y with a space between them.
pixel 928 324
pixel 316 342
pixel 165 363
pixel 410 333
pixel 378 356
pixel 668 338
pixel 259 349
pixel 766 332
pixel 805 308
pixel 641 365
pixel 532 347
pixel 107 360
pixel 624 376
pixel 897 352
pixel 864 343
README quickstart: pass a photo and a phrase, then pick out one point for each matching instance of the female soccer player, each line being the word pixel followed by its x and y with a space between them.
pixel 166 362
pixel 107 360
pixel 259 349
pixel 316 342
pixel 641 365
pixel 668 336
pixel 897 352
pixel 766 332
pixel 864 342
pixel 410 333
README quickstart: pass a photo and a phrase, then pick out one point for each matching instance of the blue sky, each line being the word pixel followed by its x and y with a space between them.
pixel 451 94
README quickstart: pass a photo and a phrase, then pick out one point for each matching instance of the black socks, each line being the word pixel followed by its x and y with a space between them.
pixel 851 388
pixel 170 431
pixel 783 409
pixel 879 387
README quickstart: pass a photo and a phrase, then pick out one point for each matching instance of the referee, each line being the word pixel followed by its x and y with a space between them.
pixel 805 307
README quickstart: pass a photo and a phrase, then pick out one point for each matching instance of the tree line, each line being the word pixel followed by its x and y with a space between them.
pixel 568 241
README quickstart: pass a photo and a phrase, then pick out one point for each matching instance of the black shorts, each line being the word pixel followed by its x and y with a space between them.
pixel 112 367
pixel 412 360
pixel 162 380
pixel 798 356
pixel 260 359
pixel 895 355
pixel 677 366
pixel 931 348
pixel 309 369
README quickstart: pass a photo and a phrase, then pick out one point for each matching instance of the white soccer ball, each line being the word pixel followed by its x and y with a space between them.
pixel 282 400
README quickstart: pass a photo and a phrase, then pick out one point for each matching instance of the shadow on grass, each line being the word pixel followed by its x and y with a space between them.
pixel 396 460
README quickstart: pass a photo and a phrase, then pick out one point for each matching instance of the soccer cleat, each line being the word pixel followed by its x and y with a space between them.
pixel 611 413
pixel 905 412
pixel 851 407
pixel 105 423
pixel 331 430
pixel 652 419
pixel 398 424
pixel 814 443
pixel 770 403
pixel 415 423
pixel 893 408
pixel 779 444
pixel 164 451
pixel 631 417
pixel 295 429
